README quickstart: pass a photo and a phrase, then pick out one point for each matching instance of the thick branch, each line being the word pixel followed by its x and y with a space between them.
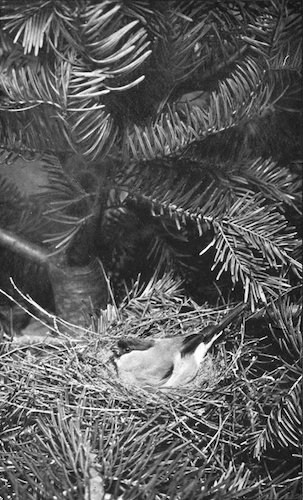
pixel 21 246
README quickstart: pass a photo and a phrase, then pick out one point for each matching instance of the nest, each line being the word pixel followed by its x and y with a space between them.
pixel 71 429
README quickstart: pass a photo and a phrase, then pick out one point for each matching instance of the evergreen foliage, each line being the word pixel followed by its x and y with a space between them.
pixel 181 105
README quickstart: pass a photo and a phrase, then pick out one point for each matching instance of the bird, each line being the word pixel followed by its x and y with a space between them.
pixel 169 361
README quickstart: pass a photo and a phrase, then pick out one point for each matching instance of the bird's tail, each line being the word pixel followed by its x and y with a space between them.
pixel 191 342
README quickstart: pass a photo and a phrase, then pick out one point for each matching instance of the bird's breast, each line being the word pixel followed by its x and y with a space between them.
pixel 149 367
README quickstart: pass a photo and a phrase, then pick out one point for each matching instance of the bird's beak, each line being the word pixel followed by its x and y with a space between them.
pixel 116 352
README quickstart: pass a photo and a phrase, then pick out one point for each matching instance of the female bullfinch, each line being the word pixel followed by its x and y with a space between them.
pixel 170 361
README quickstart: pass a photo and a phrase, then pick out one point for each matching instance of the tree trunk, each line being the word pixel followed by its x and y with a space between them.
pixel 79 291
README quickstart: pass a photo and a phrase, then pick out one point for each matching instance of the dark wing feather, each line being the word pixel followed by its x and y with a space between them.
pixel 191 342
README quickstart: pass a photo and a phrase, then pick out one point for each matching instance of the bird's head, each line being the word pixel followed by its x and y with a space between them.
pixel 124 346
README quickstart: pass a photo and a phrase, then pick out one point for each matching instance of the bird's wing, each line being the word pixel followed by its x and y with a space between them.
pixel 186 365
pixel 209 334
pixel 184 371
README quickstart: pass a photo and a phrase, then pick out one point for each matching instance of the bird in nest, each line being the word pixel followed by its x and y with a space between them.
pixel 170 361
